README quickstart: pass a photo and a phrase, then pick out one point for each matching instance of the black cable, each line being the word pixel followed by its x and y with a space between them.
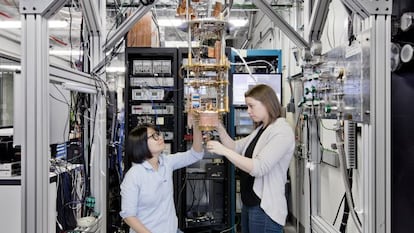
pixel 339 208
pixel 350 174
pixel 193 196
pixel 345 216
pixel 180 193
pixel 81 47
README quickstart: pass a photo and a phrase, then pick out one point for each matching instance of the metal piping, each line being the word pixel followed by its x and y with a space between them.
pixel 249 31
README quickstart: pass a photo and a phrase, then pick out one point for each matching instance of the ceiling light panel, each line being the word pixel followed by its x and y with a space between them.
pixel 15 24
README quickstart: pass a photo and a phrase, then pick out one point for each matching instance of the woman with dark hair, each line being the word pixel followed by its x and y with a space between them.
pixel 147 189
pixel 263 158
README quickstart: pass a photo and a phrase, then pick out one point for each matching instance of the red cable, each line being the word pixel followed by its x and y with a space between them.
pixel 58 40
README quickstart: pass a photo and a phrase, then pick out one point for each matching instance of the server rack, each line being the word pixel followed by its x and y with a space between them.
pixel 151 94
pixel 151 91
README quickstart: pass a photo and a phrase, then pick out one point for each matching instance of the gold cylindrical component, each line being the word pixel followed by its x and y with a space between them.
pixel 208 120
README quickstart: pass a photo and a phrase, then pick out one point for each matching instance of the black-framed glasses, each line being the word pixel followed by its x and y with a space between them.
pixel 157 135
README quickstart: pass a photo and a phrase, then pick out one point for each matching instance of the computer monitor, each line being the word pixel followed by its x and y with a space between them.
pixel 243 82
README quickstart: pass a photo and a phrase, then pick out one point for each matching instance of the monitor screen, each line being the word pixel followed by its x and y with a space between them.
pixel 243 82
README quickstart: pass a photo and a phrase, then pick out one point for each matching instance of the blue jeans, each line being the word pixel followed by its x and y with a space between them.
pixel 255 220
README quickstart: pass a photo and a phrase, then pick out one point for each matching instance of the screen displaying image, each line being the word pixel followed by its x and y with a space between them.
pixel 243 82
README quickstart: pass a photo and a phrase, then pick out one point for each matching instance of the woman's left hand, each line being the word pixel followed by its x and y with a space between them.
pixel 216 147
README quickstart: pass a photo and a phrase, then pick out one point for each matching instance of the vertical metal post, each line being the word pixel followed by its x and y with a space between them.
pixel 315 177
pixel 98 168
pixel 313 202
pixel 98 153
pixel 35 140
pixel 381 121
pixel 367 185
pixel 307 14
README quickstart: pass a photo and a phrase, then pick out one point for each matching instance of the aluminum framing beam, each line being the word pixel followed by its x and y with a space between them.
pixel 366 8
pixel 368 203
pixel 58 75
pixel 62 74
pixel 35 141
pixel 126 26
pixel 284 26
pixel 45 8
pixel 381 122
pixel 91 16
pixel 318 19
pixel 98 156
pixel 315 155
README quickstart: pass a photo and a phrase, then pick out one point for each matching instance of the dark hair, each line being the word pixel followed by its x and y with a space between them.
pixel 137 150
pixel 267 96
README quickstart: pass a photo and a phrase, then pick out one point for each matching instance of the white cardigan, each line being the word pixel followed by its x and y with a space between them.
pixel 271 159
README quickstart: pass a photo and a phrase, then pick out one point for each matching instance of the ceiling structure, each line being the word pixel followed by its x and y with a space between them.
pixel 66 25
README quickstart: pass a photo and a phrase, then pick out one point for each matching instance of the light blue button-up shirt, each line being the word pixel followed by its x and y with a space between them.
pixel 148 194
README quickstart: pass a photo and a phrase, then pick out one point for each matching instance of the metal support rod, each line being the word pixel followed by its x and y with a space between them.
pixel 98 156
pixel 98 152
pixel 61 74
pixel 367 184
pixel 91 16
pixel 126 26
pixel 35 141
pixel 45 8
pixel 315 156
pixel 368 8
pixel 355 7
pixel 249 31
pixel 381 120
pixel 281 23
pixel 318 19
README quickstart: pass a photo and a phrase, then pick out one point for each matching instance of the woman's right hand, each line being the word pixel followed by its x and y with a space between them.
pixel 216 147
